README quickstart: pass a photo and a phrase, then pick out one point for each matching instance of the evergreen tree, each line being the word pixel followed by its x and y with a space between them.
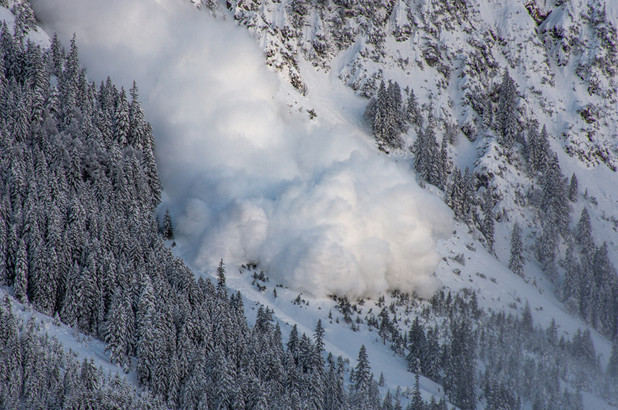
pixel 584 233
pixel 121 120
pixel 412 112
pixel 443 163
pixel 168 229
pixel 526 318
pixel 573 189
pixel 416 346
pixel 460 366
pixel 507 111
pixel 293 343
pixel 417 402
pixel 612 365
pixel 221 287
pixel 547 246
pixel 362 378
pixel 319 337
pixel 569 290
pixel 552 333
pixel 456 194
pixel 555 197
pixel 427 157
pixel 385 115
pixel 119 330
pixel 487 226
pixel 516 261
pixel 21 273
pixel 538 150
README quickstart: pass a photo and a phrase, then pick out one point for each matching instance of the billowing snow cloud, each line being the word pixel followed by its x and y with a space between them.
pixel 246 180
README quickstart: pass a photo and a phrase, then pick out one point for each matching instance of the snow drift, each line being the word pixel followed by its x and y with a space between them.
pixel 246 180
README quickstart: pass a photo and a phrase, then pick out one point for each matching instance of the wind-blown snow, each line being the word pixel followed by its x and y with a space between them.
pixel 245 179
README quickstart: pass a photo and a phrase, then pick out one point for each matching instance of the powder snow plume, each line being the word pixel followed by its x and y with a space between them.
pixel 245 180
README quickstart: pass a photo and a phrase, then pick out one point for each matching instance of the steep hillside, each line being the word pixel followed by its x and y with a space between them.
pixel 453 61
pixel 310 186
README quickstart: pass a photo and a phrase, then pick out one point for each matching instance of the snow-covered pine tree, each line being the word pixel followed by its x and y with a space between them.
pixel 385 115
pixel 487 225
pixel 460 365
pixel 119 332
pixel 21 273
pixel 221 286
pixel 612 365
pixel 584 234
pixel 554 203
pixel 507 111
pixel 516 260
pixel 412 112
pixel 416 347
pixel 573 188
pixel 426 156
pixel 362 380
pixel 443 163
pixel 168 228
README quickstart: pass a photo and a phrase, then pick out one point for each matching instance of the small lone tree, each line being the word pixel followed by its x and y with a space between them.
pixel 516 262
pixel 573 188
pixel 168 228
pixel 221 276
pixel 487 225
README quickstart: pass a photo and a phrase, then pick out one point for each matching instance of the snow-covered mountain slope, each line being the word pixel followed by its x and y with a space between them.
pixel 234 203
pixel 562 57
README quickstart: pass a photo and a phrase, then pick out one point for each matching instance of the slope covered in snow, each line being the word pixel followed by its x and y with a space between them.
pixel 285 173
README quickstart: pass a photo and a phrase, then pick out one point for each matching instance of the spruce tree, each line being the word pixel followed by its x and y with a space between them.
pixel 487 226
pixel 221 287
pixel 507 111
pixel 416 346
pixel 362 377
pixel 444 163
pixel 427 157
pixel 21 273
pixel 612 365
pixel 119 332
pixel 554 203
pixel 516 260
pixel 168 228
pixel 460 367
pixel 412 111
pixel 573 188
pixel 584 233
pixel 417 402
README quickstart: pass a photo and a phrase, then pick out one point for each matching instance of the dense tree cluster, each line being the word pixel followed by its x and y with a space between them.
pixel 431 159
pixel 590 285
pixel 491 359
pixel 387 116
pixel 36 372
